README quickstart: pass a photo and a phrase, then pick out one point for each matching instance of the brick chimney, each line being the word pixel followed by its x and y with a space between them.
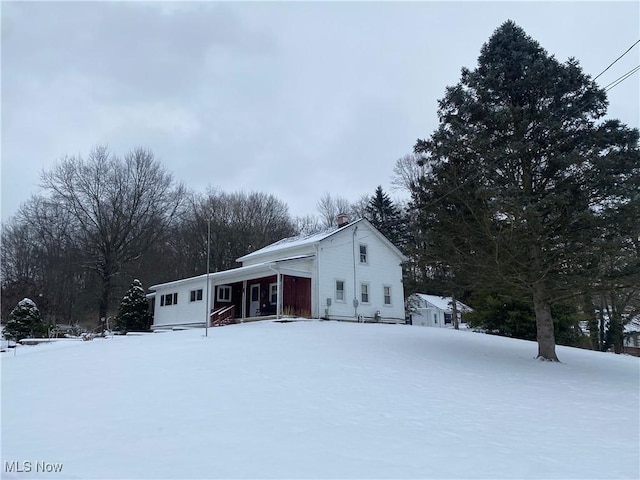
pixel 342 219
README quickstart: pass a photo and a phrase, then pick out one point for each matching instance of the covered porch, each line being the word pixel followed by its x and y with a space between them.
pixel 259 292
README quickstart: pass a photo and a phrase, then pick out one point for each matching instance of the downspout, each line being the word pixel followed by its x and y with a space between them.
pixel 355 294
pixel 278 290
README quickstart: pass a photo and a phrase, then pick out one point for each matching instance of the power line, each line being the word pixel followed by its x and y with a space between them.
pixel 621 79
pixel 612 63
pixel 607 88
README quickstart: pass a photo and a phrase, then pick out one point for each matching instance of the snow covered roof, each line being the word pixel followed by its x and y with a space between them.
pixel 297 241
pixel 443 303
pixel 238 274
pixel 311 239
pixel 633 325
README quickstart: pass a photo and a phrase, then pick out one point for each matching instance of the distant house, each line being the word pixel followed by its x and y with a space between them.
pixel 631 339
pixel 433 311
pixel 348 273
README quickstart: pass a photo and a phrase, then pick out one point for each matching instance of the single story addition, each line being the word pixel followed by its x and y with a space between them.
pixel 348 273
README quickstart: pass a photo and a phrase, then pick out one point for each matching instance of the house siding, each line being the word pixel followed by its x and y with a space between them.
pixel 184 312
pixel 336 256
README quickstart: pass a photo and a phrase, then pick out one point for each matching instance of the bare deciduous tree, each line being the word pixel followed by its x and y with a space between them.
pixel 120 206
pixel 330 207
pixel 407 172
pixel 240 223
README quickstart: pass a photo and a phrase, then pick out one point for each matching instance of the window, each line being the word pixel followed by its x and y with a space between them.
pixel 339 291
pixel 363 254
pixel 224 293
pixel 364 292
pixel 387 294
pixel 169 299
pixel 273 293
pixel 448 317
pixel 195 295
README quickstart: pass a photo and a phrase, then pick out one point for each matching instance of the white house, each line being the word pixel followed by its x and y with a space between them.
pixel 433 311
pixel 351 272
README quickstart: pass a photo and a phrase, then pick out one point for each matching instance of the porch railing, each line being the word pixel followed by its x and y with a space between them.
pixel 223 316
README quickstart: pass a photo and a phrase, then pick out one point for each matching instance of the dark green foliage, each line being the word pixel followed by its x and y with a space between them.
pixel 386 217
pixel 521 180
pixel 25 322
pixel 133 313
pixel 504 315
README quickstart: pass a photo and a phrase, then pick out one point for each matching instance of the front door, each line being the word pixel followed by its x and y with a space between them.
pixel 254 300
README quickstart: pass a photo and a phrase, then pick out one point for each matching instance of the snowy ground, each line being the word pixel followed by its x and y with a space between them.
pixel 318 400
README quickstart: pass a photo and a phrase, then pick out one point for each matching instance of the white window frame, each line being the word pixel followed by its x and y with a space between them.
pixel 343 291
pixel 273 293
pixel 365 286
pixel 226 297
pixel 195 295
pixel 365 254
pixel 385 295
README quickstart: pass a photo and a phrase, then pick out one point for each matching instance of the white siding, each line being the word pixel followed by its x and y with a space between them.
pixel 185 312
pixel 428 317
pixel 336 257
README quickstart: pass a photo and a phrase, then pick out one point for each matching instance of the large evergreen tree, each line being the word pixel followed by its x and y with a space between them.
pixel 520 174
pixel 25 321
pixel 385 216
pixel 133 313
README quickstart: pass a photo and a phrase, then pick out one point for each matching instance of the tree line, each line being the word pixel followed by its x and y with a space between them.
pixel 524 203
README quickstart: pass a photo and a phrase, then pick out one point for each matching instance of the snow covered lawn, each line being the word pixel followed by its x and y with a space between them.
pixel 318 400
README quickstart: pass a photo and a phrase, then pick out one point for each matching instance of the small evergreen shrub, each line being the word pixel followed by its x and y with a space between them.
pixel 25 321
pixel 133 312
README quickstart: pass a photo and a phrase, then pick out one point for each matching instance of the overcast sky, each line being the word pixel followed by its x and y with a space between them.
pixel 292 99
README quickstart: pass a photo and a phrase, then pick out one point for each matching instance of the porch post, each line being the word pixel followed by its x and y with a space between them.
pixel 279 295
pixel 244 301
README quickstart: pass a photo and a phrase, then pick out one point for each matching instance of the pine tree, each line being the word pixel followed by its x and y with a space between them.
pixel 386 217
pixel 25 322
pixel 133 312
pixel 520 176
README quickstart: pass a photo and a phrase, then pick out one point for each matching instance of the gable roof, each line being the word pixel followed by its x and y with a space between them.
pixel 442 303
pixel 285 244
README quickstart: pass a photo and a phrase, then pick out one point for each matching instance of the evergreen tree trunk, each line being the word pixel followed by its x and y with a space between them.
pixel 615 325
pixel 544 324
pixel 454 310
pixel 592 320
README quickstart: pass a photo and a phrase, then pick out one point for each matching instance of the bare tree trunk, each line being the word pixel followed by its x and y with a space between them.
pixel 544 325
pixel 105 295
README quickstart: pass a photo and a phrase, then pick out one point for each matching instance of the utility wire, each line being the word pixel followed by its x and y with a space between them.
pixel 607 88
pixel 612 63
pixel 621 79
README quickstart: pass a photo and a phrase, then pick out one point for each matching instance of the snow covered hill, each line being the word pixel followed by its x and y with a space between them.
pixel 315 399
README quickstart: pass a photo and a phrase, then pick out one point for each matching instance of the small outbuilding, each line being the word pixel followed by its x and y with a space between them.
pixel 433 311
